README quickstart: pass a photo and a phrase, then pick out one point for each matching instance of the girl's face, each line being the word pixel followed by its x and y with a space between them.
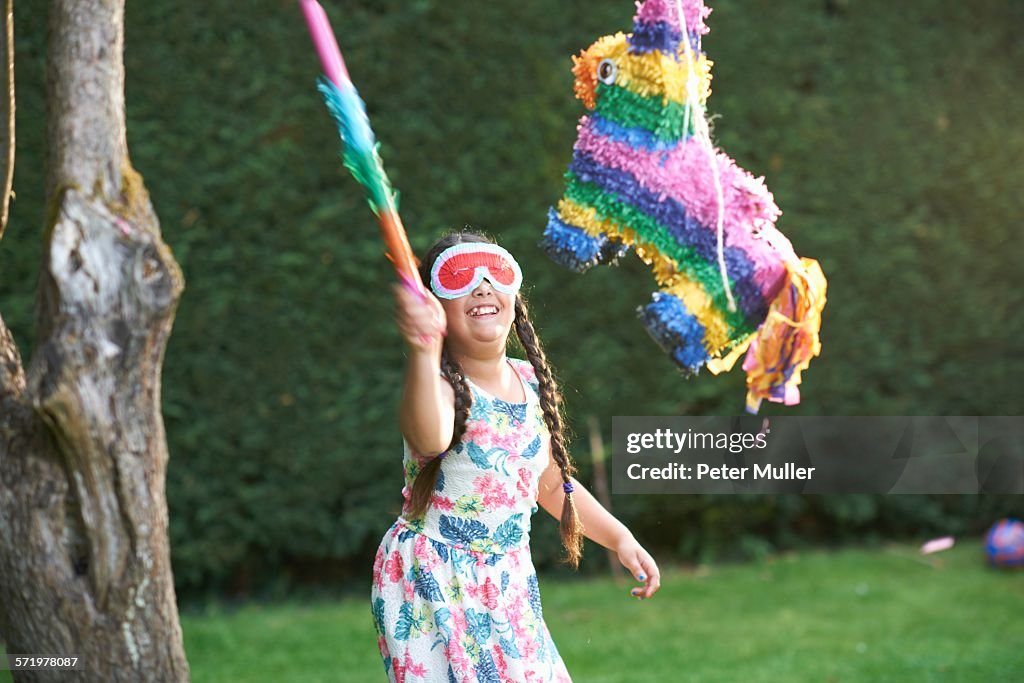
pixel 484 316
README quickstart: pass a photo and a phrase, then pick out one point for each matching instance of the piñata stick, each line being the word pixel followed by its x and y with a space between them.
pixel 360 155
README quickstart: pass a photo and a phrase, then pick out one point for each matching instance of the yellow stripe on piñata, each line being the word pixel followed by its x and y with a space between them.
pixel 658 74
pixel 698 303
pixel 666 272
pixel 586 218
pixel 653 74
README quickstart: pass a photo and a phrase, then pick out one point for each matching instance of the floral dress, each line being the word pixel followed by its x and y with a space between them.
pixel 455 597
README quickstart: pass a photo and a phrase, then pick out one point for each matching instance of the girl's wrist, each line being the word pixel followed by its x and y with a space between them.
pixel 622 538
pixel 423 349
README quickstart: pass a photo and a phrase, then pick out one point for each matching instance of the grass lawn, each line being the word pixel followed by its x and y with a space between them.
pixel 850 616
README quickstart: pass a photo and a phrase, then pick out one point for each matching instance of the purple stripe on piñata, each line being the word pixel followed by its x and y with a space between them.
pixel 685 175
pixel 686 230
pixel 768 269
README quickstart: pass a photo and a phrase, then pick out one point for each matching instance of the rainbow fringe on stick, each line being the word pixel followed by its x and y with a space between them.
pixel 645 175
pixel 360 155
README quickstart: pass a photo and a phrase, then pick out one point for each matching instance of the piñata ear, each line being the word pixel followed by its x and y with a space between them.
pixel 654 11
pixel 656 26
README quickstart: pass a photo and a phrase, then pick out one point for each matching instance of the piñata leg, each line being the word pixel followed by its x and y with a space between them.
pixel 678 332
pixel 575 248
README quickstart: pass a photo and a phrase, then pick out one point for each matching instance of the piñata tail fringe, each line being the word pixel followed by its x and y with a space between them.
pixel 788 338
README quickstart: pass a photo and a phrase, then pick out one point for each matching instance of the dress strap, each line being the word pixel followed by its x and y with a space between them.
pixel 528 377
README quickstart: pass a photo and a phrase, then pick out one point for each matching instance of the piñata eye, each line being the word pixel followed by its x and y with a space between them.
pixel 606 71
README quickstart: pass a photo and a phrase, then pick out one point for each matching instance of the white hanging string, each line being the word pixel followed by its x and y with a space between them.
pixel 703 134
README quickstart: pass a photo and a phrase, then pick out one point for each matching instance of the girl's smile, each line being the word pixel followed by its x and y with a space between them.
pixel 484 315
pixel 482 311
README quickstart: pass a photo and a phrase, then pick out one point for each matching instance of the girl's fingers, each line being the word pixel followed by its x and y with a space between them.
pixel 420 319
pixel 632 563
pixel 652 574
pixel 643 568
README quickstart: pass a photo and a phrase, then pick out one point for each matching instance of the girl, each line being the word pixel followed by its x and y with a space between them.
pixel 455 596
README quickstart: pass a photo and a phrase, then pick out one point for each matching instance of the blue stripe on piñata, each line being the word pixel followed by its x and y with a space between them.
pixel 569 246
pixel 574 248
pixel 675 330
pixel 656 37
pixel 634 137
pixel 683 227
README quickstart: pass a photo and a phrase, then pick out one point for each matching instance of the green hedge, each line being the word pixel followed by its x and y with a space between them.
pixel 886 131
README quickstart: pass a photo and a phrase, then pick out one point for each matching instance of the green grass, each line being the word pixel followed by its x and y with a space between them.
pixel 849 616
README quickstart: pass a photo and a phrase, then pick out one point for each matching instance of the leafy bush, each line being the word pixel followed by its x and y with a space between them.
pixel 887 133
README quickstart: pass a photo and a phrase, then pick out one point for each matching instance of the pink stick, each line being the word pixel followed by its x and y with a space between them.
pixel 937 545
pixel 413 286
pixel 326 46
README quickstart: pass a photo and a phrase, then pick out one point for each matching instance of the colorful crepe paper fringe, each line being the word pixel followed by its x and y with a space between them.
pixel 645 175
pixel 360 156
pixel 788 339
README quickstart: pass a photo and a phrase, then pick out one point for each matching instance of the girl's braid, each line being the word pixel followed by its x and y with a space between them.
pixel 463 396
pixel 551 400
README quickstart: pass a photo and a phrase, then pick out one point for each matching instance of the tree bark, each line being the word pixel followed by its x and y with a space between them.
pixel 84 554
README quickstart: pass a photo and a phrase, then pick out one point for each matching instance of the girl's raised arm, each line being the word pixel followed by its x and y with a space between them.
pixel 427 411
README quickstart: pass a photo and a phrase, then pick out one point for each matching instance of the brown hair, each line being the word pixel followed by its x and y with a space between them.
pixel 550 400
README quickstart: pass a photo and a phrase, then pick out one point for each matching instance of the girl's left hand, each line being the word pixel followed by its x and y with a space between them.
pixel 641 565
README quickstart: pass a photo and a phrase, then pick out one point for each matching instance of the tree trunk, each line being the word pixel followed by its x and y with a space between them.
pixel 84 556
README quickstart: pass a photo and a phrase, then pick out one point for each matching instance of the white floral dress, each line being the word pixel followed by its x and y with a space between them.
pixel 455 597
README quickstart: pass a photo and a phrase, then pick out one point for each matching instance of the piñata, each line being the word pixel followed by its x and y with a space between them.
pixel 645 175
